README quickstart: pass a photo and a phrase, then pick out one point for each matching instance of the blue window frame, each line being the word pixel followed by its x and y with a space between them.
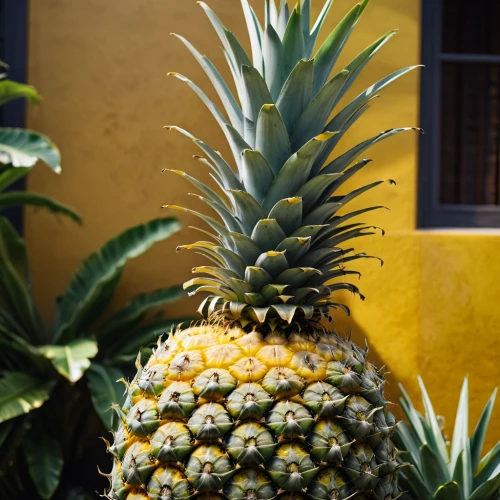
pixel 459 181
pixel 13 51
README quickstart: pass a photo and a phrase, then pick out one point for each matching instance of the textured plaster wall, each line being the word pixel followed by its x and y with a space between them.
pixel 101 66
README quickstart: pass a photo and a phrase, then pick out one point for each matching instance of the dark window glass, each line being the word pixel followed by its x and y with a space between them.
pixel 471 27
pixel 470 133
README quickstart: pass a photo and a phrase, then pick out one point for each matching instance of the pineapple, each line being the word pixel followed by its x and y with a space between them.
pixel 260 400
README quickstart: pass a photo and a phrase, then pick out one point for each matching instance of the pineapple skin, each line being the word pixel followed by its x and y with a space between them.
pixel 220 413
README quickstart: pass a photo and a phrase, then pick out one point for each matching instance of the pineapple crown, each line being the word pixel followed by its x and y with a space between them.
pixel 278 242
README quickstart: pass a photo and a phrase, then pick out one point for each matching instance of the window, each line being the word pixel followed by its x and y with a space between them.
pixel 13 51
pixel 460 152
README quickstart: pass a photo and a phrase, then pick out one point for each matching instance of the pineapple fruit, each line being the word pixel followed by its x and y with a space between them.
pixel 260 400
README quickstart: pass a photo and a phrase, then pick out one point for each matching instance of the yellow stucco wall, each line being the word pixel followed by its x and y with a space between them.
pixel 101 66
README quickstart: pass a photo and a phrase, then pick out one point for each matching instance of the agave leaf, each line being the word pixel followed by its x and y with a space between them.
pixel 288 214
pixel 229 102
pixel 487 466
pixel 45 461
pixel 293 42
pixel 434 468
pixel 10 175
pixel 23 148
pixel 23 198
pixel 487 490
pixel 85 291
pixel 313 120
pixel 255 33
pixel 105 391
pixel 480 431
pixel 317 28
pixel 274 58
pixel 461 431
pixel 433 423
pixel 295 172
pixel 327 55
pixel 272 138
pixel 449 491
pixel 268 234
pixel 296 93
pixel 256 174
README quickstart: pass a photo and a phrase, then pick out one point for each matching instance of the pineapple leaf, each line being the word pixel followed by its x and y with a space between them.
pixel 268 234
pixel 480 431
pixel 23 198
pixel 272 138
pixel 288 214
pixel 255 32
pixel 73 359
pixel 45 463
pixel 20 393
pixel 317 27
pixel 86 289
pixel 274 57
pixel 256 174
pixel 296 93
pixel 247 210
pixel 105 391
pixel 293 42
pixel 313 120
pixel 327 55
pixel 229 102
pixel 256 93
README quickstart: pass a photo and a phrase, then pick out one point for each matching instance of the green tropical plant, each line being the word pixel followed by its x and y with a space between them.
pixel 440 471
pixel 20 150
pixel 57 381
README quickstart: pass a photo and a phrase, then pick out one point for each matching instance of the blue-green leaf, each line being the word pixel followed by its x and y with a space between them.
pixel 480 432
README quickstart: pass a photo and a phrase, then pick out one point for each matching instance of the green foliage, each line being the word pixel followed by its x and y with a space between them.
pixel 57 378
pixel 438 470
pixel 20 150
